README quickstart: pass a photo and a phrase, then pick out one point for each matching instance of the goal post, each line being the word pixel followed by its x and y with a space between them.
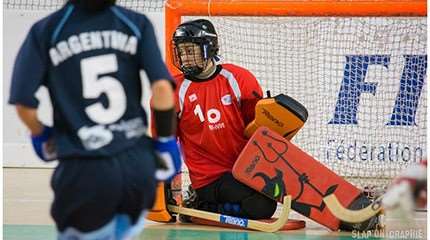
pixel 359 67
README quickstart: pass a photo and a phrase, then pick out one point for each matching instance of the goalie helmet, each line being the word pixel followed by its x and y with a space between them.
pixel 200 32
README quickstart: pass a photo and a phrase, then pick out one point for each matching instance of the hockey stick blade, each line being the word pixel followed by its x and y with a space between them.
pixel 242 222
pixel 352 216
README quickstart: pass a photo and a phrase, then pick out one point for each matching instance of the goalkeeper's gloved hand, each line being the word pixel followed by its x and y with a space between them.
pixel 167 151
pixel 43 144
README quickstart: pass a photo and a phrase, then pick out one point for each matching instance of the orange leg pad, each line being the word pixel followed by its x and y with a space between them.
pixel 274 166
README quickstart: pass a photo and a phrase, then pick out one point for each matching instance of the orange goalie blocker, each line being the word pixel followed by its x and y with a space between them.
pixel 281 114
pixel 274 166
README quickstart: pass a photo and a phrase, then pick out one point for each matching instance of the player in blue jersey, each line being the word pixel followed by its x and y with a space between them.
pixel 88 55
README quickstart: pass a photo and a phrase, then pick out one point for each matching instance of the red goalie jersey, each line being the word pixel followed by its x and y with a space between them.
pixel 212 116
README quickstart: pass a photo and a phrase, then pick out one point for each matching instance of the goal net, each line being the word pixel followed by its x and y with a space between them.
pixel 142 5
pixel 361 76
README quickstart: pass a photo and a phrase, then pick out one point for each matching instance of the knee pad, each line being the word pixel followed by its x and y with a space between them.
pixel 258 206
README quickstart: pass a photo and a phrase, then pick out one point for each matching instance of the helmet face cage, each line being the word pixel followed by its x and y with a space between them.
pixel 196 61
pixel 205 38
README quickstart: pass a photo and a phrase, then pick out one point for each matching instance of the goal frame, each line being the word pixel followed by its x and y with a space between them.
pixel 175 9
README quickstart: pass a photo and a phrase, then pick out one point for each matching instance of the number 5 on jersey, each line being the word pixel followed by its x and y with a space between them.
pixel 93 86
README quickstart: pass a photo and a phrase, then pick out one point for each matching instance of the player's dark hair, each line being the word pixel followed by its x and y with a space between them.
pixel 93 5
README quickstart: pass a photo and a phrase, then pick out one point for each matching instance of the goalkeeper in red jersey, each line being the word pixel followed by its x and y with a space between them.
pixel 214 104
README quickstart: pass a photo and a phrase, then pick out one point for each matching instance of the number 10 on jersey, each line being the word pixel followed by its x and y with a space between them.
pixel 213 115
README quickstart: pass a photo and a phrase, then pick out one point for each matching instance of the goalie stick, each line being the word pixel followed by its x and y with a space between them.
pixel 394 198
pixel 242 222
pixel 352 216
